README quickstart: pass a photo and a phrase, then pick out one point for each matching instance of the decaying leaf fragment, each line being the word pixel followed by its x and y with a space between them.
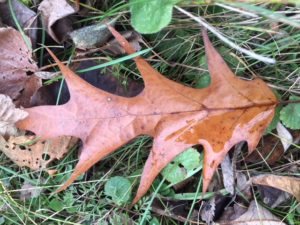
pixel 9 115
pixel 284 183
pixel 227 112
pixel 35 154
pixel 16 64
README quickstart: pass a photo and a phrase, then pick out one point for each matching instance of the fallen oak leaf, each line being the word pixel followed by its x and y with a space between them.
pixel 227 112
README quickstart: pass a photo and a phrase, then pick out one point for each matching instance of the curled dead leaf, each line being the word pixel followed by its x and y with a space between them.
pixel 256 214
pixel 284 183
pixel 53 12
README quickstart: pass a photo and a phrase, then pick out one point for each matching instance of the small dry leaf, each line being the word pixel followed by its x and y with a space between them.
pixel 255 215
pixel 284 183
pixel 285 136
pixel 53 11
pixel 227 171
pixel 25 151
pixel 9 115
pixel 16 63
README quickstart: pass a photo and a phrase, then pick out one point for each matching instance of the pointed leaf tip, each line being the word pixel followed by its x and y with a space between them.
pixel 66 72
pixel 52 55
pixel 122 41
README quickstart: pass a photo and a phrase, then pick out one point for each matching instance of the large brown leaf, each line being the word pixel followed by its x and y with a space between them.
pixel 229 111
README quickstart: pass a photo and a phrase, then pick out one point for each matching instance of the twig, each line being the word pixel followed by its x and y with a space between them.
pixel 289 102
pixel 74 60
pixel 203 23
pixel 169 214
pixel 237 10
